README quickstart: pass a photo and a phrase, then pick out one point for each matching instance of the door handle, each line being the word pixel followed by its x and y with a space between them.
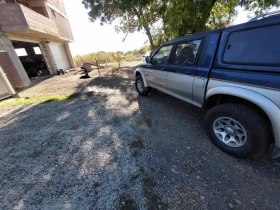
pixel 188 73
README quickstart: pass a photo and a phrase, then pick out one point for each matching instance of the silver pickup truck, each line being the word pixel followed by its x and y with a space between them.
pixel 234 73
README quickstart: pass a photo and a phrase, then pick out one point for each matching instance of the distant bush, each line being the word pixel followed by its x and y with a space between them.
pixel 101 57
pixel 111 57
pixel 131 57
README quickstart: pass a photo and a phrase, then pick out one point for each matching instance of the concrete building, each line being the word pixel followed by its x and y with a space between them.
pixel 33 31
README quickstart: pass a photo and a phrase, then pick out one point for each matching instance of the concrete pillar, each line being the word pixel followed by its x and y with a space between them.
pixel 7 83
pixel 9 48
pixel 49 56
pixel 69 54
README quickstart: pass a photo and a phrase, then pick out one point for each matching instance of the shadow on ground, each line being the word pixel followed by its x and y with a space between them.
pixel 190 172
pixel 120 82
pixel 68 155
pixel 34 82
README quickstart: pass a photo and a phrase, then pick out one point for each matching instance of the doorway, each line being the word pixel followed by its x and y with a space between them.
pixel 32 59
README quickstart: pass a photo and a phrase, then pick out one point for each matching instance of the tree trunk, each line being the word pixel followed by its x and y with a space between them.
pixel 148 33
pixel 146 27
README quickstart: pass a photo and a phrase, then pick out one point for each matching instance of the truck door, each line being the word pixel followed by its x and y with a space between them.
pixel 155 74
pixel 180 75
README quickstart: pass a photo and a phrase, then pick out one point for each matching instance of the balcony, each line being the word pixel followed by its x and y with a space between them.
pixel 18 19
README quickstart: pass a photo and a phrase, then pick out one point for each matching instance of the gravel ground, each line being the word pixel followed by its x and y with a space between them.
pixel 118 150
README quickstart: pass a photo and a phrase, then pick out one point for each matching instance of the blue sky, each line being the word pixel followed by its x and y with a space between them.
pixel 92 37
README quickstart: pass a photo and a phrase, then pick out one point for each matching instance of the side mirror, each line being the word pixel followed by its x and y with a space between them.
pixel 148 59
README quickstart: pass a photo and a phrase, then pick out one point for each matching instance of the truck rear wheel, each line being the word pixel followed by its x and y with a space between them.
pixel 238 130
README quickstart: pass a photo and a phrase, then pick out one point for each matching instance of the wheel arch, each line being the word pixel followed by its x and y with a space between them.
pixel 260 103
pixel 140 72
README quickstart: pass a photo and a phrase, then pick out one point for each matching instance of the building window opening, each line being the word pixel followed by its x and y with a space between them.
pixel 37 50
pixel 21 52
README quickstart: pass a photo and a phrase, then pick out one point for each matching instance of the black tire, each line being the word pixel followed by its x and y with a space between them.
pixel 256 127
pixel 144 90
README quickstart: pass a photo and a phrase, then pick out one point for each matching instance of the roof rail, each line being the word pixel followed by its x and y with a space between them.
pixel 265 15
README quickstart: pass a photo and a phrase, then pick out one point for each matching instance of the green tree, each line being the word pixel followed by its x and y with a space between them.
pixel 144 49
pixel 222 14
pixel 186 17
pixel 165 19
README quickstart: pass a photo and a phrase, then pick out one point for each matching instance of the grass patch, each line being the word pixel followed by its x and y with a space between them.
pixel 46 99
pixel 153 200
pixel 136 154
pixel 146 122
pixel 127 203
pixel 149 182
pixel 96 184
pixel 142 169
pixel 139 143
pixel 134 177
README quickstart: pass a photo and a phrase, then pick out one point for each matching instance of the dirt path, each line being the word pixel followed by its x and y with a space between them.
pixel 118 150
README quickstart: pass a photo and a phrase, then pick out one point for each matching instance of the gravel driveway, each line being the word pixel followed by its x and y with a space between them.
pixel 117 150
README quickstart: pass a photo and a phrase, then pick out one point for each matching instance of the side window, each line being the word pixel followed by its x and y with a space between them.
pixel 162 56
pixel 186 52
pixel 258 46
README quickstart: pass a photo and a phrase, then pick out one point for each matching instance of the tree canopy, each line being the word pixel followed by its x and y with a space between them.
pixel 166 19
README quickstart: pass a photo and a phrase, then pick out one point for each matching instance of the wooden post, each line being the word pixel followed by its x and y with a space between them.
pixel 97 66
pixel 105 58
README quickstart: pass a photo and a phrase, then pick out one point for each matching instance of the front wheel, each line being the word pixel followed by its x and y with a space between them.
pixel 238 130
pixel 140 87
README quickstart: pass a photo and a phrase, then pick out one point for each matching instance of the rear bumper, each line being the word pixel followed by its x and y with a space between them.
pixel 275 153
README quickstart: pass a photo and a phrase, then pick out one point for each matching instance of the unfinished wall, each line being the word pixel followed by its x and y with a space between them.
pixel 62 24
pixel 59 4
pixel 16 17
pixel 11 14
pixel 9 68
pixel 39 22
pixel 63 27
pixel 60 19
